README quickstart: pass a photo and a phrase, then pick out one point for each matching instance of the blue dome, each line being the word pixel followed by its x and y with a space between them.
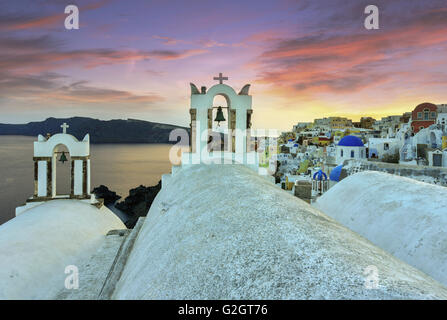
pixel 295 145
pixel 351 141
pixel 335 173
pixel 320 175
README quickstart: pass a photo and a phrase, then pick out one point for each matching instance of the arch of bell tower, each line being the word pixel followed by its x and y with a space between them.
pixel 239 125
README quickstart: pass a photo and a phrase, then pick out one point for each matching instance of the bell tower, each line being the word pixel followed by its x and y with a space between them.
pixel 47 153
pixel 237 139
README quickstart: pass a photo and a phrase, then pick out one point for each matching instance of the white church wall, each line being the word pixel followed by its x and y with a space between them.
pixel 54 177
pixel 358 153
pixel 165 178
pixel 89 187
pixel 78 177
pixel 401 215
pixel 42 179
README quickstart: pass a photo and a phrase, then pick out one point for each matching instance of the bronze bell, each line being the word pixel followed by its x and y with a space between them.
pixel 219 116
pixel 63 158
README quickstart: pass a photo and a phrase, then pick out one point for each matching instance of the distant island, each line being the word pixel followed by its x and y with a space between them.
pixel 111 131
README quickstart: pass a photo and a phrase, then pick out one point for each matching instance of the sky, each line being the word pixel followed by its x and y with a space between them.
pixel 304 59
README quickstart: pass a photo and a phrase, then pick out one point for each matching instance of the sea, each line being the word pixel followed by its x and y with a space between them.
pixel 120 167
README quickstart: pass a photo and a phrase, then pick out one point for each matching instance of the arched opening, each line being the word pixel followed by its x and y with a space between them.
pixel 221 136
pixel 62 171
pixel 433 140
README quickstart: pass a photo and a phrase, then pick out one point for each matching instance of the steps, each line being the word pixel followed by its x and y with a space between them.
pixel 98 275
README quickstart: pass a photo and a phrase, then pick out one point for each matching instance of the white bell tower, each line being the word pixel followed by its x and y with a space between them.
pixel 45 157
pixel 237 139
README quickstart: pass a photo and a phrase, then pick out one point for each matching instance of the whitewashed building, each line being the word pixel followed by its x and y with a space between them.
pixel 350 147
pixel 378 147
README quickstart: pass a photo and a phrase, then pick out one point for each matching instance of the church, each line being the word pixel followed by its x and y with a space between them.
pixel 350 147
pixel 218 229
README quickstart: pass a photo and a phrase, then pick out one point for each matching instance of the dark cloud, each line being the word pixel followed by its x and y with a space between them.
pixel 58 89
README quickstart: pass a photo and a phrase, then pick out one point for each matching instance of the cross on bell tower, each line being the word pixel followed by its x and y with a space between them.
pixel 64 127
pixel 220 78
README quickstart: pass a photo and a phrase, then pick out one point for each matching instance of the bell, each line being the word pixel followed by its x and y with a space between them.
pixel 63 158
pixel 219 116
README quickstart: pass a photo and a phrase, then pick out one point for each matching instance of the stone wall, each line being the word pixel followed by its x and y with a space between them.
pixel 433 175
pixel 303 190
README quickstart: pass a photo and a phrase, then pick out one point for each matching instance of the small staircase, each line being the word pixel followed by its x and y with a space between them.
pixel 407 152
pixel 99 275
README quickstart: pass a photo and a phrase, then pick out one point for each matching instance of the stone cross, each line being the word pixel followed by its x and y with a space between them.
pixel 220 78
pixel 64 127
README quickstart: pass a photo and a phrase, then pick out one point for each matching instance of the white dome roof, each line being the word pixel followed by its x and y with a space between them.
pixel 224 232
pixel 36 246
pixel 405 217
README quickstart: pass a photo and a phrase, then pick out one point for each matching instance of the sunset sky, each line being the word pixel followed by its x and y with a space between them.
pixel 304 59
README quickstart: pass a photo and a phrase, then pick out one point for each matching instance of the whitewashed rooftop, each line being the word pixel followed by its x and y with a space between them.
pixel 223 232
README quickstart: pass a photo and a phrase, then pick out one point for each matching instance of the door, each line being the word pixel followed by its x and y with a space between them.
pixel 437 160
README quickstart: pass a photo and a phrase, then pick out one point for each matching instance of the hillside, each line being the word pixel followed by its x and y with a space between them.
pixel 111 131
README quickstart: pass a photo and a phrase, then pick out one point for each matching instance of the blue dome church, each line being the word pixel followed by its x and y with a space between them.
pixel 350 147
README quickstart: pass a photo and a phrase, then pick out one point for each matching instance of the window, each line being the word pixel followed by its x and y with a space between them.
pixel 433 115
pixel 341 153
pixel 419 115
pixel 386 146
pixel 426 111
pixel 361 153
pixel 352 153
pixel 420 128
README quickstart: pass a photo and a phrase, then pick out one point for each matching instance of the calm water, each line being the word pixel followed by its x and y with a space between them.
pixel 119 166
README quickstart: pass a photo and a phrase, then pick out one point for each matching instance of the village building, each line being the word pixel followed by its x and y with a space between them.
pixel 386 123
pixel 350 147
pixel 300 126
pixel 340 123
pixel 379 147
pixel 406 117
pixel 367 122
pixel 423 116
pixel 441 118
pixel 437 158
